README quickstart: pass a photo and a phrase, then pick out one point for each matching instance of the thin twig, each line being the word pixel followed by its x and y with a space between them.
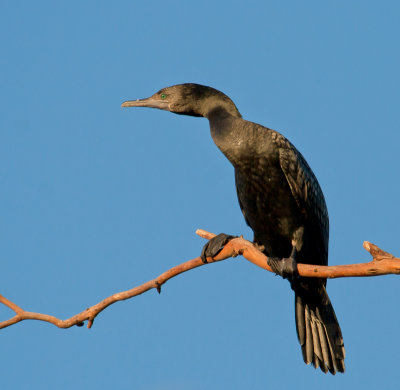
pixel 383 263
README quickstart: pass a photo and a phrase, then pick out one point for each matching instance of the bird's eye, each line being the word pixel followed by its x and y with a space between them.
pixel 163 96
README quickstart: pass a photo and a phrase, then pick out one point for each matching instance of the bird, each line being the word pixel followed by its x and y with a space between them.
pixel 282 202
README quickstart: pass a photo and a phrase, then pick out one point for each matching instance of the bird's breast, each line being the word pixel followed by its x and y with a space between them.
pixel 267 204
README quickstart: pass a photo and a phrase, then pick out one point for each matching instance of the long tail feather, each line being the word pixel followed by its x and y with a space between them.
pixel 318 330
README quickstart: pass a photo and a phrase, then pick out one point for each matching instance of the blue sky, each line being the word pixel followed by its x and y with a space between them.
pixel 97 199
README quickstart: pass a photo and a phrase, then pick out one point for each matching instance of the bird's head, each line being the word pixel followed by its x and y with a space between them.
pixel 187 99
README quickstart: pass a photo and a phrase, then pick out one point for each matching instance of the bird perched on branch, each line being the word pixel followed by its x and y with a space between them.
pixel 281 201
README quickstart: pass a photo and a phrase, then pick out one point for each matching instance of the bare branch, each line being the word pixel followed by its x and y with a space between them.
pixel 382 263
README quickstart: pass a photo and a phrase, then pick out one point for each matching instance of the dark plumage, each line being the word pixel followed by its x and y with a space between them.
pixel 281 201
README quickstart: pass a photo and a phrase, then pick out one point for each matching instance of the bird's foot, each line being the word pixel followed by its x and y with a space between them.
pixel 285 267
pixel 214 246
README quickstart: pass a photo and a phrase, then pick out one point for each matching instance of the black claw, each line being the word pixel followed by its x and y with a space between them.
pixel 214 246
pixel 80 324
pixel 158 287
pixel 285 267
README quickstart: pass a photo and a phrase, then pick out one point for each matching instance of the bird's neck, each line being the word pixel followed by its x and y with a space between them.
pixel 219 108
pixel 227 134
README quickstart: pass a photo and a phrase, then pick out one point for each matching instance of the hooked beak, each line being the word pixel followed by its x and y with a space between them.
pixel 148 102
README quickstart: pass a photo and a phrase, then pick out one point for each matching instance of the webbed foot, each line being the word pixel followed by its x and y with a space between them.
pixel 285 267
pixel 214 246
